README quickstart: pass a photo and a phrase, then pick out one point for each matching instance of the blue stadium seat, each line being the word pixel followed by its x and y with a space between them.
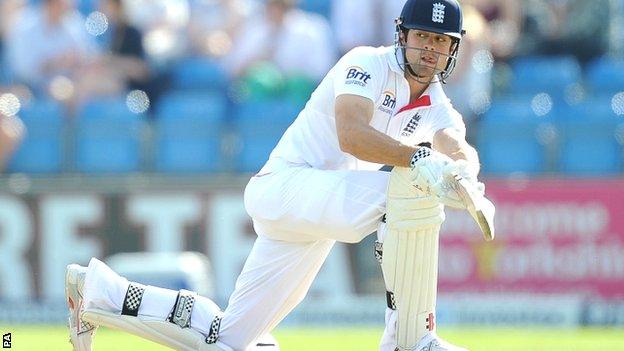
pixel 590 150
pixel 198 73
pixel 588 145
pixel 208 105
pixel 268 111
pixel 257 142
pixel 41 151
pixel 5 77
pixel 507 138
pixel 108 138
pixel 188 144
pixel 544 74
pixel 188 132
pixel 106 108
pixel 514 109
pixel 259 126
pixel 322 7
pixel 606 75
pixel 594 108
pixel 510 148
pixel 87 6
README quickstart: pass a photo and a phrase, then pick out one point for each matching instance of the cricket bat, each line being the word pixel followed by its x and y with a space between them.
pixel 480 208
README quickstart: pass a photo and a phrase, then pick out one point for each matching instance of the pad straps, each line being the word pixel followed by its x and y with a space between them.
pixel 133 298
pixel 182 309
pixel 213 336
pixel 390 300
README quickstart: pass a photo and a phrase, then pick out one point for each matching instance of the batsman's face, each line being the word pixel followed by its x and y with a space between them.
pixel 427 52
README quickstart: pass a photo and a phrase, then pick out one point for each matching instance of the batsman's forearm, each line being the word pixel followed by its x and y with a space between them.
pixel 465 152
pixel 450 143
pixel 368 144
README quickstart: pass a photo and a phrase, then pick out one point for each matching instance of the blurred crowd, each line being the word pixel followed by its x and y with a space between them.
pixel 74 51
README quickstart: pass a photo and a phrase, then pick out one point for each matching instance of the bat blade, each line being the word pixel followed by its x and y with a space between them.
pixel 480 208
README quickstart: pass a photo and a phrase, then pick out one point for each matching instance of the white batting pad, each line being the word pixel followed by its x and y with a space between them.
pixel 410 257
pixel 154 329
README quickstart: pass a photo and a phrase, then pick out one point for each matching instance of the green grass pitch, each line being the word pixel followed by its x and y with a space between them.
pixel 53 338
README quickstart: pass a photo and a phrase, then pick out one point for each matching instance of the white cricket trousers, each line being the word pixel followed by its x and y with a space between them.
pixel 298 213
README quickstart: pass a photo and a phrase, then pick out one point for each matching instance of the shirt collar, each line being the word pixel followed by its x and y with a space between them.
pixel 437 94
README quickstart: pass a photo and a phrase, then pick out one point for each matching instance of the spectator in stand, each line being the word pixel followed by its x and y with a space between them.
pixel 124 43
pixel 214 24
pixel 504 18
pixel 288 46
pixel 567 27
pixel 470 86
pixel 348 15
pixel 12 131
pixel 164 26
pixel 50 41
pixel 10 11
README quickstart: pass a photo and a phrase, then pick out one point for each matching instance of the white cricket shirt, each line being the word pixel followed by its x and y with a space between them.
pixel 374 74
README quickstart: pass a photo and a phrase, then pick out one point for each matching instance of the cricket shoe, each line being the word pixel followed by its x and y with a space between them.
pixel 432 342
pixel 80 332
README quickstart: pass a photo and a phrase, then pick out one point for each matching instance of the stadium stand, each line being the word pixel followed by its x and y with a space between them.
pixel 548 74
pixel 589 145
pixel 108 138
pixel 321 7
pixel 42 149
pixel 198 73
pixel 507 138
pixel 197 129
pixel 188 130
pixel 606 75
pixel 258 126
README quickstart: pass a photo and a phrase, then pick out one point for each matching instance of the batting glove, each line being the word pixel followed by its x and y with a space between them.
pixel 428 168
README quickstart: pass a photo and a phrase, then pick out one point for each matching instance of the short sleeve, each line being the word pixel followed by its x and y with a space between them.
pixel 447 117
pixel 360 72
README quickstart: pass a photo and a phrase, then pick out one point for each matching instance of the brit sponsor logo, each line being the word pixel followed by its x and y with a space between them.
pixel 389 102
pixel 438 13
pixel 357 75
pixel 411 126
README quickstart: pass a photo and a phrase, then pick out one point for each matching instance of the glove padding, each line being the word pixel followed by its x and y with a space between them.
pixel 446 189
pixel 435 174
pixel 428 169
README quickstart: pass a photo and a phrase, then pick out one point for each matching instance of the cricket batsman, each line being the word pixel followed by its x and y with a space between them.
pixel 323 184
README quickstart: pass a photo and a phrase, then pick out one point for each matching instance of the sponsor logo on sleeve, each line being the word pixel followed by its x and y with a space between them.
pixel 357 75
